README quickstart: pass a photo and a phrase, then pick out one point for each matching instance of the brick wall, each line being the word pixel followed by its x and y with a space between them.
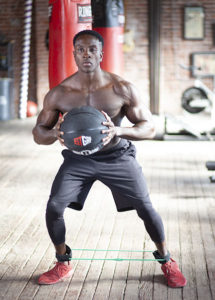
pixel 174 49
pixel 42 25
pixel 11 27
pixel 136 46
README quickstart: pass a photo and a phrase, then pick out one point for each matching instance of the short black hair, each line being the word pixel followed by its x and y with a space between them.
pixel 89 32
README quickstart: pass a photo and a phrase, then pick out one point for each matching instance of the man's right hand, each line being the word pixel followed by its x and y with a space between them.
pixel 58 132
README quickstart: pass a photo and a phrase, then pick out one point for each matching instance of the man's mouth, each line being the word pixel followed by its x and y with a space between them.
pixel 87 63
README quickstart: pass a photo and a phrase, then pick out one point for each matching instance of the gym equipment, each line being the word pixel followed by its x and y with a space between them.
pixel 28 9
pixel 210 165
pixel 198 117
pixel 6 99
pixel 7 111
pixel 82 128
pixel 200 98
pixel 31 108
pixel 108 20
pixel 115 259
pixel 194 100
pixel 66 18
pixel 182 124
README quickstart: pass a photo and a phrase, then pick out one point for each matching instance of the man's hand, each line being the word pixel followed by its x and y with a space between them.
pixel 111 131
pixel 59 133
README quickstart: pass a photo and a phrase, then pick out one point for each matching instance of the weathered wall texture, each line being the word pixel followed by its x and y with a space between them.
pixel 174 49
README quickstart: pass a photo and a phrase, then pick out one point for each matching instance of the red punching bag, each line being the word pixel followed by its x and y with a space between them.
pixel 108 20
pixel 66 18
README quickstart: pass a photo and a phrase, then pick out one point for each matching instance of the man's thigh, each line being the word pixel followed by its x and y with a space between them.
pixel 72 183
pixel 127 182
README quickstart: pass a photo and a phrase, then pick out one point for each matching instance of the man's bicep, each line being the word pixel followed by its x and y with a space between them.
pixel 136 110
pixel 47 118
pixel 49 115
pixel 138 113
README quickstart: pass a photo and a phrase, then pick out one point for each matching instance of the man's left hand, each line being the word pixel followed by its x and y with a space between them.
pixel 111 131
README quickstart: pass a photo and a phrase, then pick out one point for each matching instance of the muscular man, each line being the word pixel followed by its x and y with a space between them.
pixel 116 98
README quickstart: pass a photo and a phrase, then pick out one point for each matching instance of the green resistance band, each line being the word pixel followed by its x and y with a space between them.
pixel 119 259
pixel 111 250
pixel 115 259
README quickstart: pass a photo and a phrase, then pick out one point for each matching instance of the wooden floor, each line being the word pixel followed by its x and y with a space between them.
pixel 180 191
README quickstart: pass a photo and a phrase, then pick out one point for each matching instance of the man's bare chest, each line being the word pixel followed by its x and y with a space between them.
pixel 104 99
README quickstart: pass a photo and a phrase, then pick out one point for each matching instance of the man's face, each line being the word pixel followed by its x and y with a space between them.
pixel 87 53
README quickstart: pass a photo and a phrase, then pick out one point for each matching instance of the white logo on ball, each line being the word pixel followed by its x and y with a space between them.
pixel 86 140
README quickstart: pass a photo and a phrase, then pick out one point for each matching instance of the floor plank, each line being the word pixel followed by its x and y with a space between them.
pixel 180 191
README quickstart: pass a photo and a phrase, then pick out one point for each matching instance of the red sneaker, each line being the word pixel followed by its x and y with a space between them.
pixel 60 271
pixel 173 275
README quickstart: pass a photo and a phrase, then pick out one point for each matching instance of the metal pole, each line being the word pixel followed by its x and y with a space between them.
pixel 154 53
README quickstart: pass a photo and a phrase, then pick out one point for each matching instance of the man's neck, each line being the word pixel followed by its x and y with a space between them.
pixel 90 81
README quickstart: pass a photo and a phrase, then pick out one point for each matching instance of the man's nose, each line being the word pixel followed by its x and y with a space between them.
pixel 86 52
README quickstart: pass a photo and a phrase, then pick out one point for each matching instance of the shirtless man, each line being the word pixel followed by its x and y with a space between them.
pixel 116 98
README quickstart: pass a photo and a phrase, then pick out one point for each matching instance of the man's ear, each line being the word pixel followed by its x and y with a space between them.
pixel 101 55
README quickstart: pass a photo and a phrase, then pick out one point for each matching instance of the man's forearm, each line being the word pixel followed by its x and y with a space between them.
pixel 44 135
pixel 136 133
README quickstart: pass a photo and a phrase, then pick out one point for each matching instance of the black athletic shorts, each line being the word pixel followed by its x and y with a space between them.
pixel 117 168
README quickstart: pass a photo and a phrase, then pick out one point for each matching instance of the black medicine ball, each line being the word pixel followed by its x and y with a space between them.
pixel 82 128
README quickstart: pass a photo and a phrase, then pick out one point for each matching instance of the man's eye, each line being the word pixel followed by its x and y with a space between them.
pixel 93 50
pixel 80 50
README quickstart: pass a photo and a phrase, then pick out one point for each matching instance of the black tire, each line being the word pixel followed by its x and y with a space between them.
pixel 191 94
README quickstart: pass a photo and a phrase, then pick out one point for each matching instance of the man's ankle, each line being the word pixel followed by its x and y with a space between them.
pixel 165 258
pixel 65 257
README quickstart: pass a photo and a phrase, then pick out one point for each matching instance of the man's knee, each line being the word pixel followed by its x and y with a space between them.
pixel 54 210
pixel 147 212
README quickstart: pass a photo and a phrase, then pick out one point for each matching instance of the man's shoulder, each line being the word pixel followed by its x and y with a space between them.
pixel 53 94
pixel 118 80
pixel 69 81
pixel 121 86
pixel 62 87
